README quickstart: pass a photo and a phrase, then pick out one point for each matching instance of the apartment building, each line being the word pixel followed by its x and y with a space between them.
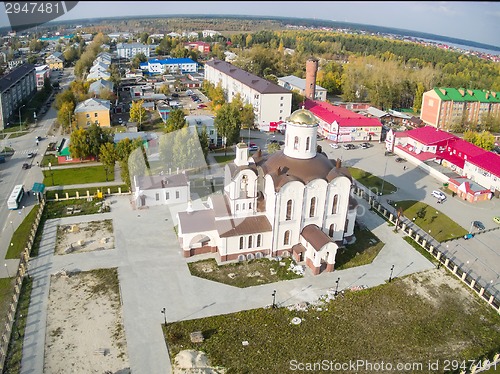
pixel 443 107
pixel 129 50
pixel 272 103
pixel 16 87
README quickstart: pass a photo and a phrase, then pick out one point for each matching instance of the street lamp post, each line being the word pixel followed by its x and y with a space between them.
pixel 164 311
pixel 20 121
pixel 337 286
pixel 390 276
pixel 274 299
pixel 383 178
pixel 51 172
pixel 7 268
pixel 12 227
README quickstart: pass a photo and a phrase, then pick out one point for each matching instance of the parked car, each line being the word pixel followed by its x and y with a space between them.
pixel 120 121
pixel 389 153
pixel 201 106
pixel 253 147
pixel 439 195
pixel 478 225
pixel 334 145
pixel 175 95
pixel 365 145
pixel 468 236
pixel 2 159
pixel 496 219
pixel 400 159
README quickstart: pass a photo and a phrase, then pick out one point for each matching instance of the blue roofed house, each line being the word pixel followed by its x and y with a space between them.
pixel 170 65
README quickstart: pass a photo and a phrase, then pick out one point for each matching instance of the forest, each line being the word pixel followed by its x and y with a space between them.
pixel 389 74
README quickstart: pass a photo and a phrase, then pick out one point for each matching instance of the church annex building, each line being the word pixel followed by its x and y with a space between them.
pixel 294 202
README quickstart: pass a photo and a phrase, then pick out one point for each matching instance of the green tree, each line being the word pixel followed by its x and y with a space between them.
pixel 123 150
pixel 137 59
pixel 137 112
pixel 108 157
pixel 470 136
pixel 273 147
pixel 204 140
pixel 417 103
pixel 96 136
pixel 176 120
pixel 485 140
pixel 65 114
pixel 228 125
pixel 65 96
pixel 79 146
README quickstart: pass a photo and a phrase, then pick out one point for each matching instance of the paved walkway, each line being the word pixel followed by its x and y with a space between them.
pixel 153 275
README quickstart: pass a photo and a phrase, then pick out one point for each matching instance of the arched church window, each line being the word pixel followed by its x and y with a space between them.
pixel 289 210
pixel 250 241
pixel 308 141
pixel 244 183
pixel 241 242
pixel 332 230
pixel 259 240
pixel 286 238
pixel 296 143
pixel 312 208
pixel 335 204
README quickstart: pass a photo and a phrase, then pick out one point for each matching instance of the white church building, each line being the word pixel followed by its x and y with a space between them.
pixel 294 202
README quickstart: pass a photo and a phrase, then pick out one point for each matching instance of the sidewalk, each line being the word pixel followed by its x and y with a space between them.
pixel 154 275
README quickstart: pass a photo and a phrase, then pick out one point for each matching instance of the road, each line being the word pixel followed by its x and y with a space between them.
pixel 480 256
pixel 11 174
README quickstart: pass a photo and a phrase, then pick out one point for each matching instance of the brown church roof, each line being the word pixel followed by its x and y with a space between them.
pixel 242 226
pixel 284 169
pixel 317 238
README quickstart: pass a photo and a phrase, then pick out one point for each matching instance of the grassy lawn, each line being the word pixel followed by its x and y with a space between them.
pixel 428 218
pixel 15 350
pixel 49 158
pixel 422 317
pixel 20 237
pixel 243 274
pixel 83 191
pixel 6 292
pixel 371 181
pixel 221 159
pixel 362 252
pixel 89 174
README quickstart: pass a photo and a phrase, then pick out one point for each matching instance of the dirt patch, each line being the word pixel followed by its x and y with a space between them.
pixel 84 326
pixel 85 237
pixel 430 285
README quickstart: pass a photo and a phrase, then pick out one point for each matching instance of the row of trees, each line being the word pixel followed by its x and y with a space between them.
pixel 482 139
pixel 97 142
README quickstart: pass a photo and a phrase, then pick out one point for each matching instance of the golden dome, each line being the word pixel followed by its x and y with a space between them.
pixel 303 117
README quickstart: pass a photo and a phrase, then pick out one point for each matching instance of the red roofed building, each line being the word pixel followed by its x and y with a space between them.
pixel 201 47
pixel 485 170
pixel 341 125
pixel 477 170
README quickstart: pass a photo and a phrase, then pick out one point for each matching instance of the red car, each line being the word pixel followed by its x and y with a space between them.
pixel 201 106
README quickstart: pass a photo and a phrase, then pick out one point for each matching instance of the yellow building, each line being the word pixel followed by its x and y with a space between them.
pixel 93 111
pixel 55 61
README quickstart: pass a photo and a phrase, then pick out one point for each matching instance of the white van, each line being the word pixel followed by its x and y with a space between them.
pixel 439 195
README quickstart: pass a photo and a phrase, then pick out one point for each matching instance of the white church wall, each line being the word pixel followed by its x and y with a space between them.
pixel 316 188
pixel 341 187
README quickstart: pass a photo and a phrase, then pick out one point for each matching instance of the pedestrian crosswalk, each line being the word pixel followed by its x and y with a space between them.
pixel 26 151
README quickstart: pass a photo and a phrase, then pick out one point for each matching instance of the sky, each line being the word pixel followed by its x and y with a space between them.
pixel 475 21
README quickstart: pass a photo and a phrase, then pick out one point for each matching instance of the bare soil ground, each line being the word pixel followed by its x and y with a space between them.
pixel 85 237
